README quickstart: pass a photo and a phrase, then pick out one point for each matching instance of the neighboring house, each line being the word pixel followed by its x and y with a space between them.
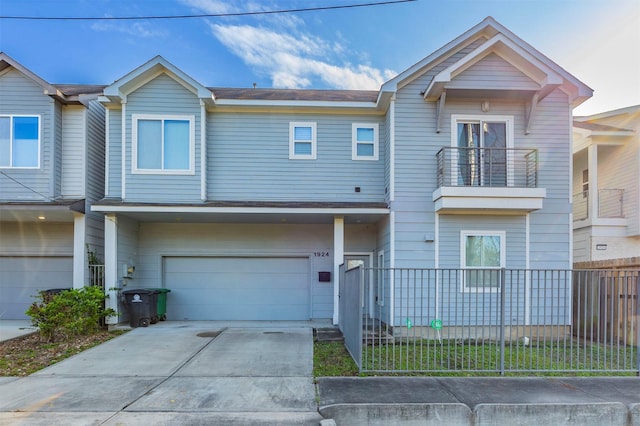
pixel 606 188
pixel 51 169
pixel 245 202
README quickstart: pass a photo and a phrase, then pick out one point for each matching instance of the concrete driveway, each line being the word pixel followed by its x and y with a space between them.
pixel 188 373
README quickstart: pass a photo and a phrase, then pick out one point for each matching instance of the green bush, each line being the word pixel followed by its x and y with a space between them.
pixel 69 313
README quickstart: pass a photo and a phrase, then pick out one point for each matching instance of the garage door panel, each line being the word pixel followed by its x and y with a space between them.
pixel 246 288
pixel 21 278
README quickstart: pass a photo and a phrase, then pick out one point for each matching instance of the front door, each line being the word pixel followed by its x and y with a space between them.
pixel 353 261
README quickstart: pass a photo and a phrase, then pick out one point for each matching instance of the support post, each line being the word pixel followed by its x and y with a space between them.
pixel 338 259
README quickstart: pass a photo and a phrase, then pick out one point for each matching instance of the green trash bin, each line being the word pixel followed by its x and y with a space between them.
pixel 162 303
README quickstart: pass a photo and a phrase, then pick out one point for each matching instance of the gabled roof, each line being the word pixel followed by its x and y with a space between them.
pixel 119 90
pixel 48 89
pixel 494 38
pixel 620 111
pixel 66 93
pixel 596 129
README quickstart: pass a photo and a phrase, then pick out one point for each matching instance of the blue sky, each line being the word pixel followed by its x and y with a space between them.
pixel 598 41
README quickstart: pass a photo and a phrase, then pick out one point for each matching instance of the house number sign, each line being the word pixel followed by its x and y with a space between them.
pixel 321 253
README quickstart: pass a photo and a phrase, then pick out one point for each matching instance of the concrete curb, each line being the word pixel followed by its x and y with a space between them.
pixel 595 414
pixel 634 414
pixel 407 414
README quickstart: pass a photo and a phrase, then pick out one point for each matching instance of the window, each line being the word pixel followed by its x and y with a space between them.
pixel 20 141
pixel 364 141
pixel 482 154
pixel 163 144
pixel 585 183
pixel 302 141
pixel 482 257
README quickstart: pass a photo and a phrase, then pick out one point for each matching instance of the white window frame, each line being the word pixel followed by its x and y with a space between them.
pixel 463 258
pixel 11 116
pixel 474 118
pixel 292 140
pixel 355 142
pixel 162 117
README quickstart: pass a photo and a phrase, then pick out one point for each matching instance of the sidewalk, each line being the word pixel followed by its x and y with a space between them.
pixel 244 373
pixel 10 329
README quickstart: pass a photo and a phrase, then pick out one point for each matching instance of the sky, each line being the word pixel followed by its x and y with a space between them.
pixel 597 41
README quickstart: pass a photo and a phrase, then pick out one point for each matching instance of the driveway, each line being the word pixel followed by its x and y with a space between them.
pixel 176 373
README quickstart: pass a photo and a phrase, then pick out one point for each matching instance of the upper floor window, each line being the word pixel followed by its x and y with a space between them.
pixel 482 256
pixel 482 150
pixel 163 144
pixel 364 141
pixel 302 141
pixel 20 141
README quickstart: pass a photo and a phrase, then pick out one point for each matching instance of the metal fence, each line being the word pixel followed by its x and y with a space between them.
pixel 491 321
pixel 96 275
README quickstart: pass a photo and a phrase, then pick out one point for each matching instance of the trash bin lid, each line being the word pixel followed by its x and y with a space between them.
pixel 162 290
pixel 140 291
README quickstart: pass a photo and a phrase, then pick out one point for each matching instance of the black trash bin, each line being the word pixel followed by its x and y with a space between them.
pixel 48 294
pixel 142 305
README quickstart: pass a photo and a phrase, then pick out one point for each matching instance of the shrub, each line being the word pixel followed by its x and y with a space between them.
pixel 69 313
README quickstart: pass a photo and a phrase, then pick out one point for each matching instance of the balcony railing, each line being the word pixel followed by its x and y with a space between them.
pixel 488 167
pixel 610 204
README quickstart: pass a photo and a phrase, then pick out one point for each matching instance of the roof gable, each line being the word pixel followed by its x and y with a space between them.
pixel 47 89
pixel 545 78
pixel 495 38
pixel 118 91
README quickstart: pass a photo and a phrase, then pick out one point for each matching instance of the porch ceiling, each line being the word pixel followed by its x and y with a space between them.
pixel 41 212
pixel 246 212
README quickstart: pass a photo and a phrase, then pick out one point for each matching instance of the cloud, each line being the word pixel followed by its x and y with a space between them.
pixel 278 45
pixel 293 59
pixel 138 29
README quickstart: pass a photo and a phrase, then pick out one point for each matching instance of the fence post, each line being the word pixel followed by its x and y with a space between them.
pixel 503 275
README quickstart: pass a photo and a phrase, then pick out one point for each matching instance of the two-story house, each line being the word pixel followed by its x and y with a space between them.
pixel 606 188
pixel 51 169
pixel 245 202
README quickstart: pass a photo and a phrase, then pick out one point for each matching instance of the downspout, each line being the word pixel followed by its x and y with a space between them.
pixel 392 213
pixel 123 130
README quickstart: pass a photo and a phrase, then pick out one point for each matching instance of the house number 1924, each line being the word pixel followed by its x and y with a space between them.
pixel 321 253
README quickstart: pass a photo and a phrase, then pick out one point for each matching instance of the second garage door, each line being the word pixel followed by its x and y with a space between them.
pixel 237 288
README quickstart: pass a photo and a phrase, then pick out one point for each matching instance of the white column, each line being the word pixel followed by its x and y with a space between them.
pixel 80 263
pixel 593 182
pixel 111 263
pixel 338 259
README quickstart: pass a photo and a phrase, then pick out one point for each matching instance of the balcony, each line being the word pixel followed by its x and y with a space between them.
pixel 487 181
pixel 609 205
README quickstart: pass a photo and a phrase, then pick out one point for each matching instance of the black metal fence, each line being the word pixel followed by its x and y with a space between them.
pixel 491 320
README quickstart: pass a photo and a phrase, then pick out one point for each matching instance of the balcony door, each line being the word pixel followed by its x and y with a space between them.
pixel 482 152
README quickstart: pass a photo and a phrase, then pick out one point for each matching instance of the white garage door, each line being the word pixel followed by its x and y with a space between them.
pixel 23 277
pixel 247 288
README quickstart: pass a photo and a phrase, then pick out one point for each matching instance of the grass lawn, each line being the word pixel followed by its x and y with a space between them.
pixel 452 358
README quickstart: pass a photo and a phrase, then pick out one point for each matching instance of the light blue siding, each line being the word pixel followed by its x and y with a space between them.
pixel 248 159
pixel 21 96
pixel 114 160
pixel 73 152
pixel 163 96
pixel 95 178
pixel 493 72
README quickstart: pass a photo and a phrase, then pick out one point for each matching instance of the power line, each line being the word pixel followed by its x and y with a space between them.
pixel 205 15
pixel 25 186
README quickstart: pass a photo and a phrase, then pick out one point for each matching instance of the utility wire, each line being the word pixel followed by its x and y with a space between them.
pixel 25 186
pixel 205 15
